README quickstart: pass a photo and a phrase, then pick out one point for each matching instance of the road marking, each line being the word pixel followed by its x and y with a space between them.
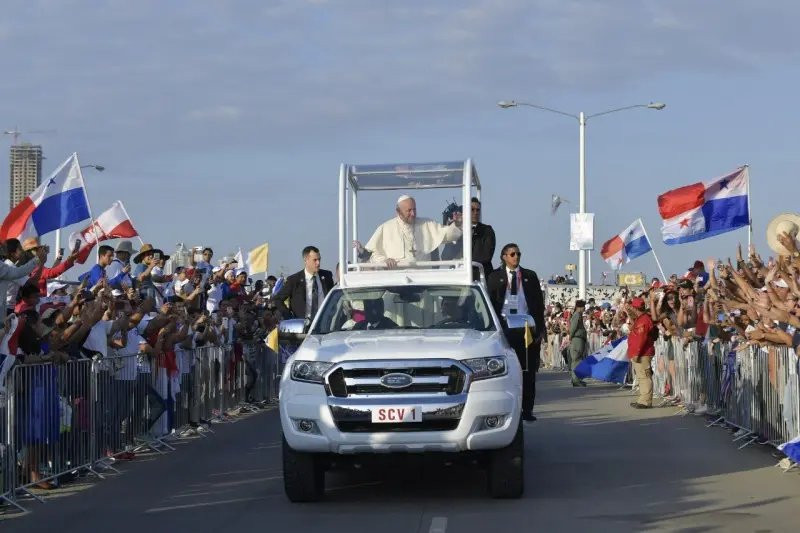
pixel 267 447
pixel 194 494
pixel 206 504
pixel 438 525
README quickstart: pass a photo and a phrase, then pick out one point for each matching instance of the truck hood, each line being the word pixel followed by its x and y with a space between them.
pixel 402 344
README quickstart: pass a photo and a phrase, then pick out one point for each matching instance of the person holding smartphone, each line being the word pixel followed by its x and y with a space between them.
pixel 145 279
pixel 41 274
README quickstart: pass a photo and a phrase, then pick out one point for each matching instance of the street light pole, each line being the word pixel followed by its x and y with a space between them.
pixel 582 202
pixel 582 118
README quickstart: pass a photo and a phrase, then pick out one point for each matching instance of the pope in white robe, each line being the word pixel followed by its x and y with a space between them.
pixel 408 238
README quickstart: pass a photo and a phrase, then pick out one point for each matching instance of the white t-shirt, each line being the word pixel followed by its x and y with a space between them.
pixel 214 298
pixel 97 341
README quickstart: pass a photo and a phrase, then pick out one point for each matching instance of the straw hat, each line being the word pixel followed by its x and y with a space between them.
pixel 146 249
pixel 785 222
pixel 31 243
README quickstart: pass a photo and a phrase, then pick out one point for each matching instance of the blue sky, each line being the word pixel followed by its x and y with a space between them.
pixel 224 124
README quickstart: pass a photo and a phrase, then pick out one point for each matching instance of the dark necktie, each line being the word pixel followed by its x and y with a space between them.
pixel 314 296
pixel 514 289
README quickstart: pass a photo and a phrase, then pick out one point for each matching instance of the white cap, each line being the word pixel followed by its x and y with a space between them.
pixel 403 199
pixel 53 286
pixel 216 269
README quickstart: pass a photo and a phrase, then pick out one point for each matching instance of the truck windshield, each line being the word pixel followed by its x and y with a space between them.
pixel 405 307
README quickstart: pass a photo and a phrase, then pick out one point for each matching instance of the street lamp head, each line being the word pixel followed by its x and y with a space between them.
pixel 99 168
pixel 657 106
pixel 506 105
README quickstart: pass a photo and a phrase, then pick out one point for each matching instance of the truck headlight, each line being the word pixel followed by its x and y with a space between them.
pixel 487 367
pixel 309 371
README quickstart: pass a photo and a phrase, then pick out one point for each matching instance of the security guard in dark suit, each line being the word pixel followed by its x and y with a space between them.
pixel 516 290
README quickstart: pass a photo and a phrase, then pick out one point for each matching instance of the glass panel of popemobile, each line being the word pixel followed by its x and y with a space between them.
pixel 449 262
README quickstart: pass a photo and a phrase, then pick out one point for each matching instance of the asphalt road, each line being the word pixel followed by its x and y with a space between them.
pixel 593 465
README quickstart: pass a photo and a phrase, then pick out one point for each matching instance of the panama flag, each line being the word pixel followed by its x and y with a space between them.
pixel 60 201
pixel 610 364
pixel 113 224
pixel 703 210
pixel 627 246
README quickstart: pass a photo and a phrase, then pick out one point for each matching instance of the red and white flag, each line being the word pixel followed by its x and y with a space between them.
pixel 113 224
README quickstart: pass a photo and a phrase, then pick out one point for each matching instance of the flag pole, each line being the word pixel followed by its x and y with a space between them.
pixel 89 206
pixel 655 255
pixel 746 169
pixel 141 242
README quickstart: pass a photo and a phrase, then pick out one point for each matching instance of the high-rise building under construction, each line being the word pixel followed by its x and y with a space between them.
pixel 25 171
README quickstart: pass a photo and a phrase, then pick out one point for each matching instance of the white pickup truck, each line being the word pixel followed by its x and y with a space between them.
pixel 405 360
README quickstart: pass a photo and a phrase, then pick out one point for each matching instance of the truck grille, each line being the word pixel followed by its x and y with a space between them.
pixel 437 378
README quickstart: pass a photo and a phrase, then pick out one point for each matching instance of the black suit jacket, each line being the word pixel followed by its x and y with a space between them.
pixel 294 288
pixel 497 284
pixel 483 246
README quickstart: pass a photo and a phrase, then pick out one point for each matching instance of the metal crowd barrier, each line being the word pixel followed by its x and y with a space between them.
pixel 62 421
pixel 753 390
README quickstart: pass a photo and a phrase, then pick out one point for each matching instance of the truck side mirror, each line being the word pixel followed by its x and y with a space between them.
pixel 519 321
pixel 293 325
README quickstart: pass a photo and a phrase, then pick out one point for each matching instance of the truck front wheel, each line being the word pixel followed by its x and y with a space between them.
pixel 303 475
pixel 506 469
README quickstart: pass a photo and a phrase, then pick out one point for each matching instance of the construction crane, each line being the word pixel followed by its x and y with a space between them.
pixel 16 133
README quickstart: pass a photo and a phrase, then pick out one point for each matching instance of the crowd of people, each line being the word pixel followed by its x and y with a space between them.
pixel 743 302
pixel 125 306
pixel 749 301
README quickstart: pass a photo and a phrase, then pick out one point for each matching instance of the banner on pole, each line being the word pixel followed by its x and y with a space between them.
pixel 581 231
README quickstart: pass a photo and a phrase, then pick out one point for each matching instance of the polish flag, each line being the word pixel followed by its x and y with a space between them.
pixel 113 224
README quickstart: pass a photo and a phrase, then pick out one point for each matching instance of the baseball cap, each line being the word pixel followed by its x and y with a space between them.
pixel 637 303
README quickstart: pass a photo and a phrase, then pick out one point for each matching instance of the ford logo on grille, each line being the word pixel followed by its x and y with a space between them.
pixel 396 381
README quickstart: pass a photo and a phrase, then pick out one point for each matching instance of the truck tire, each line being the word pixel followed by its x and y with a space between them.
pixel 303 475
pixel 506 469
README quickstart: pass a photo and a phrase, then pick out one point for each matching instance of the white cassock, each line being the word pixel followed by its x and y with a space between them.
pixel 394 239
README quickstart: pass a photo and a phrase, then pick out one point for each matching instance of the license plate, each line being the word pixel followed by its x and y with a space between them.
pixel 395 415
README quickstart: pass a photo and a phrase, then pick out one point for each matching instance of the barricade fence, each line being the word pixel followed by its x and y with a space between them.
pixel 59 421
pixel 753 390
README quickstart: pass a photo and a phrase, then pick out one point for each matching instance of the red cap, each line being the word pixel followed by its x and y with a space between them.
pixel 637 303
pixel 699 264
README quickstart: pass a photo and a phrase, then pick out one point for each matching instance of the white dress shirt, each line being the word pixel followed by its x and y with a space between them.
pixel 517 303
pixel 320 294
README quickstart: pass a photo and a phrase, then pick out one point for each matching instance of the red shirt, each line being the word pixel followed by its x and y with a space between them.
pixel 50 273
pixel 700 328
pixel 642 338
